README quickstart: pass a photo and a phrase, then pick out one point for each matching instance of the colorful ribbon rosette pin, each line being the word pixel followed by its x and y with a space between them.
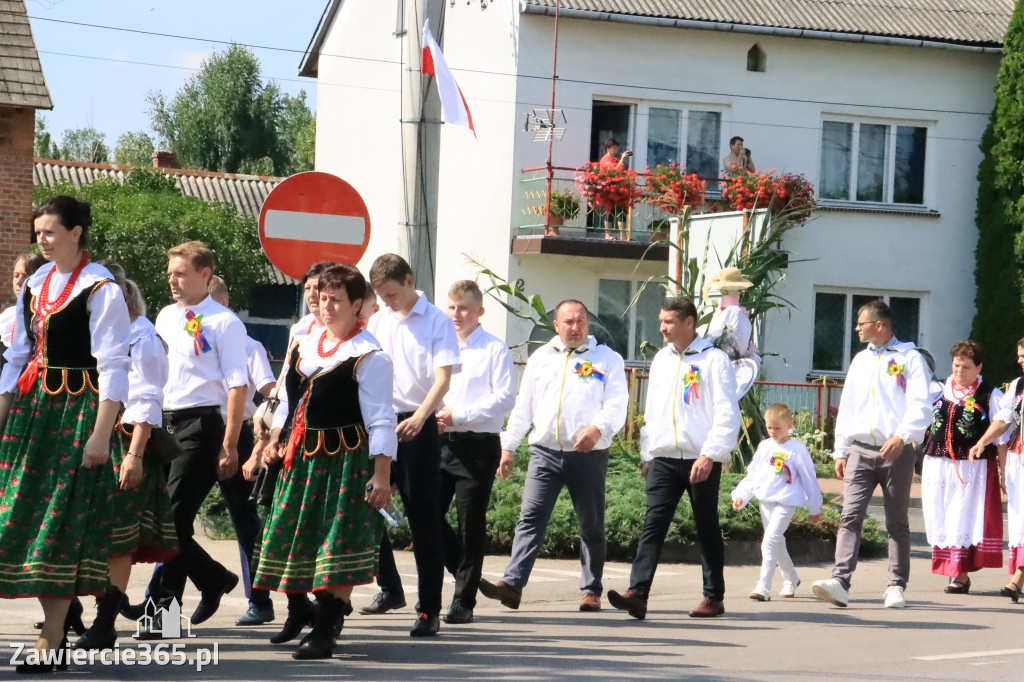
pixel 895 370
pixel 586 369
pixel 690 382
pixel 194 326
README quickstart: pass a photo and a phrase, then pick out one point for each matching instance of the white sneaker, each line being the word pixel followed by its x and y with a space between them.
pixel 894 597
pixel 788 590
pixel 832 591
pixel 760 593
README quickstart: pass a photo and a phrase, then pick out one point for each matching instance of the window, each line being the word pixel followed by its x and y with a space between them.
pixel 628 327
pixel 757 60
pixel 399 18
pixel 835 314
pixel 666 128
pixel 876 162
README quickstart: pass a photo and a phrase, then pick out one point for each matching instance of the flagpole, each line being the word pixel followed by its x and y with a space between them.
pixel 551 135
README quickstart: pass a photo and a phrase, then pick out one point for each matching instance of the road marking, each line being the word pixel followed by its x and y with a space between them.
pixel 968 654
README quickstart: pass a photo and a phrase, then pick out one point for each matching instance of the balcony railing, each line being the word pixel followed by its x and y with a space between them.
pixel 638 225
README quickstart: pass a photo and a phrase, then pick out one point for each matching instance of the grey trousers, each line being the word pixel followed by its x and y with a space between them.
pixel 583 473
pixel 866 469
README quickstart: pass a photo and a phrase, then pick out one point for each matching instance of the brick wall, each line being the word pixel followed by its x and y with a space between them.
pixel 17 129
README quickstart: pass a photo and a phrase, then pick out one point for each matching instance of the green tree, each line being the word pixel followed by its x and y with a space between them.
pixel 298 133
pixel 45 147
pixel 135 223
pixel 998 318
pixel 134 149
pixel 999 254
pixel 224 118
pixel 84 144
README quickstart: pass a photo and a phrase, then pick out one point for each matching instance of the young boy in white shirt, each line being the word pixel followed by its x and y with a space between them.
pixel 781 476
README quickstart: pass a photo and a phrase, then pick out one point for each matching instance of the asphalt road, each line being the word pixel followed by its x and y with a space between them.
pixel 938 637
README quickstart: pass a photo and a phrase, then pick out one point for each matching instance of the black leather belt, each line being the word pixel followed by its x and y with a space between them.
pixel 467 435
pixel 190 413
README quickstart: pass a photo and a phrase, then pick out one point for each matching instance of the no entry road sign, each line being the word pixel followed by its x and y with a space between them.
pixel 312 217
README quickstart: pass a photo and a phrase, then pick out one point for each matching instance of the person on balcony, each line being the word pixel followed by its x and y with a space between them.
pixel 885 408
pixel 573 396
pixel 738 159
pixel 612 159
pixel 692 420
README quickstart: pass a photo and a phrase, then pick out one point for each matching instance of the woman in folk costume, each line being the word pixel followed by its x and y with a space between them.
pixel 960 492
pixel 24 266
pixel 142 527
pixel 301 611
pixel 1006 426
pixel 323 532
pixel 66 373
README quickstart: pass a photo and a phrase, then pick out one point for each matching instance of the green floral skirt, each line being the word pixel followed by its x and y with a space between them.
pixel 54 513
pixel 141 523
pixel 320 532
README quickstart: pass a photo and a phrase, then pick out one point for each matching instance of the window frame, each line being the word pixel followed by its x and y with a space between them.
pixel 849 320
pixel 888 191
pixel 641 128
pixel 632 357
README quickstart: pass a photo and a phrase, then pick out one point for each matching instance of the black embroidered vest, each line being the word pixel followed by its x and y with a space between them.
pixel 332 416
pixel 67 347
pixel 964 429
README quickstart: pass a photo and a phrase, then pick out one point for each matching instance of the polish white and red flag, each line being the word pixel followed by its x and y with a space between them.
pixel 454 109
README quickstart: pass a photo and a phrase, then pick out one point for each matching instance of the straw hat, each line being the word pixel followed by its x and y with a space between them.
pixel 727 279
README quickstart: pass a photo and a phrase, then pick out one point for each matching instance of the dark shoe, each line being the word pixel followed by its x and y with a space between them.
pixel 131 611
pixel 590 603
pixel 382 603
pixel 300 614
pixel 1011 591
pixel 73 621
pixel 45 667
pixel 320 642
pixel 102 634
pixel 209 602
pixel 708 608
pixel 257 616
pixel 508 595
pixel 426 626
pixel 458 614
pixel 630 602
pixel 152 630
pixel 346 610
pixel 955 587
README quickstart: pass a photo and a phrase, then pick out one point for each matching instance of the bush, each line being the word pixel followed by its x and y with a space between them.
pixel 624 515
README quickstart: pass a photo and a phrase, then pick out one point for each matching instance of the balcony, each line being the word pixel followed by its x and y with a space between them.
pixel 593 233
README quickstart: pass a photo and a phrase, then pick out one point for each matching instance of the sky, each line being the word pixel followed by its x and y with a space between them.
pixel 100 86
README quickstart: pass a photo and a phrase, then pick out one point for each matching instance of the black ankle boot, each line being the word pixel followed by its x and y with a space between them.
pixel 301 613
pixel 320 642
pixel 346 610
pixel 102 634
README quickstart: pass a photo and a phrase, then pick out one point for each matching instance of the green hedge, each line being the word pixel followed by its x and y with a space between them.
pixel 624 516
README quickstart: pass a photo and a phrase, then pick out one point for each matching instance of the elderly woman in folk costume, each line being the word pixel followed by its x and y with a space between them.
pixel 960 492
pixel 323 531
pixel 142 526
pixel 1006 425
pixel 66 373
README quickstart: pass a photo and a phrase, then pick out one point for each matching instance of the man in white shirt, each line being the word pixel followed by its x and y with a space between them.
pixel 470 421
pixel 573 396
pixel 420 339
pixel 885 409
pixel 207 369
pixel 692 420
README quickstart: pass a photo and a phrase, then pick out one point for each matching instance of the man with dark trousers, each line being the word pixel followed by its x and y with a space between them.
pixel 207 369
pixel 420 339
pixel 470 421
pixel 692 420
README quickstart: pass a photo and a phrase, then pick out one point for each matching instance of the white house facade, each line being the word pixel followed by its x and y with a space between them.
pixel 882 114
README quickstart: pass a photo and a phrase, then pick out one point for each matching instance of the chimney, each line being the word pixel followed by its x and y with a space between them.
pixel 164 159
